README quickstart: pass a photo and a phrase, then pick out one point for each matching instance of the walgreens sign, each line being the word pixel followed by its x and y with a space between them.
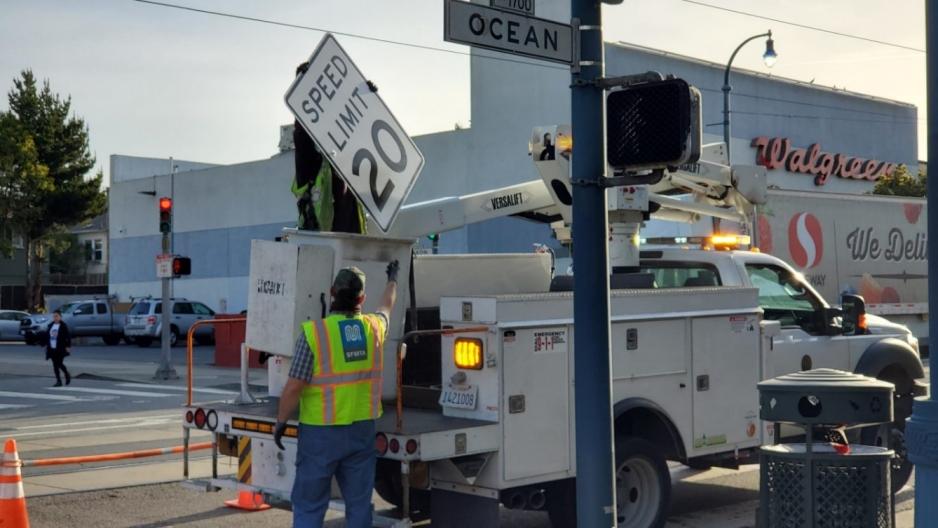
pixel 774 153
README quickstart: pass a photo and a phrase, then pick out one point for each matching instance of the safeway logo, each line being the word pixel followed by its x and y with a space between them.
pixel 805 240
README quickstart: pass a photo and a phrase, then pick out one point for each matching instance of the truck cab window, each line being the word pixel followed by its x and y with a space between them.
pixel 102 308
pixel 682 274
pixel 784 297
pixel 84 309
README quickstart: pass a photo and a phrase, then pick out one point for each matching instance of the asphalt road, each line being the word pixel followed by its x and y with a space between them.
pixel 113 405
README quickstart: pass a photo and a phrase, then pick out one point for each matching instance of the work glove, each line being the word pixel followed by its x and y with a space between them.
pixel 279 429
pixel 392 270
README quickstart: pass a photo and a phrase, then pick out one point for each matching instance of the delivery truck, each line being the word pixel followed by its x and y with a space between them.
pixel 874 246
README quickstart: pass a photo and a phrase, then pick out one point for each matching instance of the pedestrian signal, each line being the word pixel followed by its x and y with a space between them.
pixel 182 266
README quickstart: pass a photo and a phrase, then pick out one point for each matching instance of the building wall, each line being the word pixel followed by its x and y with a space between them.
pixel 13 268
pixel 216 213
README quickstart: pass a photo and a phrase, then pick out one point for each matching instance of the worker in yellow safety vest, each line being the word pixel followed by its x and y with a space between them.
pixel 324 201
pixel 335 377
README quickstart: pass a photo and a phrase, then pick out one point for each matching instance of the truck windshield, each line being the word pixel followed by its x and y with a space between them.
pixel 783 296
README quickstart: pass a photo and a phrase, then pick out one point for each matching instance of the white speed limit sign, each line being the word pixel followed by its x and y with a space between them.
pixel 356 131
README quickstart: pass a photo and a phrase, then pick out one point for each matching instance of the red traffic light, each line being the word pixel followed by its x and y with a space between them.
pixel 166 204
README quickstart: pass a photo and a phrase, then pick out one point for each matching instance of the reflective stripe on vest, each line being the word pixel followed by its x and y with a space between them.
pixel 345 389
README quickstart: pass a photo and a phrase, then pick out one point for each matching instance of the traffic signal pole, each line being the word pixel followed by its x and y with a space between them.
pixel 165 371
pixel 595 482
pixel 922 428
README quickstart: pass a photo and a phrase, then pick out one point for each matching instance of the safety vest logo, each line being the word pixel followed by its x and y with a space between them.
pixel 354 345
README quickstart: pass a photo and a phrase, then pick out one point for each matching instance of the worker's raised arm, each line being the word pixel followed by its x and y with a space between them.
pixel 390 291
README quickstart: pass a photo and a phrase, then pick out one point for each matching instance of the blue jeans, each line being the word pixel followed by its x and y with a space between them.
pixel 348 453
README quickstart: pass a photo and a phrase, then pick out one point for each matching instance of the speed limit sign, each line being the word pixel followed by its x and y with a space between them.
pixel 356 131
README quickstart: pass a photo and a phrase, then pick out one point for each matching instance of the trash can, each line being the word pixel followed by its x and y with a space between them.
pixel 820 483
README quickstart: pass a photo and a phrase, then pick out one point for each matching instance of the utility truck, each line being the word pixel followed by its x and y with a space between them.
pixel 478 367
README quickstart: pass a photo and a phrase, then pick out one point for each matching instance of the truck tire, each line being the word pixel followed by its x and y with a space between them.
pixel 643 488
pixel 31 340
pixel 892 435
pixel 643 484
pixel 143 342
pixel 111 339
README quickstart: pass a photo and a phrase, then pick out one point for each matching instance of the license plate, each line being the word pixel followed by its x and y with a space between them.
pixel 460 398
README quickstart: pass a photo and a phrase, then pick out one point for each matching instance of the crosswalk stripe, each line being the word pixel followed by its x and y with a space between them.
pixel 38 396
pixel 113 391
pixel 175 388
pixel 12 406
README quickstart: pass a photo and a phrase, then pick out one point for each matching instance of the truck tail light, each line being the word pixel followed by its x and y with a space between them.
pixel 200 418
pixel 151 320
pixel 211 420
pixel 411 446
pixel 381 443
pixel 467 353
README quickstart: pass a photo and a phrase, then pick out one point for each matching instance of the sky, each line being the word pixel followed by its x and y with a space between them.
pixel 158 82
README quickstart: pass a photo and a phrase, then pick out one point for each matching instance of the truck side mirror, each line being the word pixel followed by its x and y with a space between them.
pixel 854 309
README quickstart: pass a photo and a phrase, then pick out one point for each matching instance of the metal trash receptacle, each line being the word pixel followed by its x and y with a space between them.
pixel 814 484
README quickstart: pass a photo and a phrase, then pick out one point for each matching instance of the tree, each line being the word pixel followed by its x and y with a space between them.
pixel 902 183
pixel 68 195
pixel 22 178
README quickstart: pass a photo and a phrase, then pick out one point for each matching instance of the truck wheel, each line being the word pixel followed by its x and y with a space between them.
pixel 643 489
pixel 31 340
pixel 643 484
pixel 143 342
pixel 892 435
pixel 111 339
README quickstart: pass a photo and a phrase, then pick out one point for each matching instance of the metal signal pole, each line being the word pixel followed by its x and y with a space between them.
pixel 595 482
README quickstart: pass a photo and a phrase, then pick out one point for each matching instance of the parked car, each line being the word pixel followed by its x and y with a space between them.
pixel 144 321
pixel 85 318
pixel 10 324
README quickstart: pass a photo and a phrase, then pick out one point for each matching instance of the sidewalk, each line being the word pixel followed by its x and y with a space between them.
pixel 743 515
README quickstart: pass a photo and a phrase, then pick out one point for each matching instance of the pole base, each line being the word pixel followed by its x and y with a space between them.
pixel 166 373
pixel 921 437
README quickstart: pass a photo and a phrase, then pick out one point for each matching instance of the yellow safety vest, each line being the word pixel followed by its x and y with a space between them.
pixel 348 361
pixel 320 195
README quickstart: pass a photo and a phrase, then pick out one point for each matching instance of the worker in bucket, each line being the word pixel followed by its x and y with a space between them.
pixel 323 200
pixel 336 379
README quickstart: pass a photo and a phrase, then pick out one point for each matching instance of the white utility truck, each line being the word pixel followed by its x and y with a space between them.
pixel 479 384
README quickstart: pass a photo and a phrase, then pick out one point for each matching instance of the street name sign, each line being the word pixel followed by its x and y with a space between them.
pixel 356 131
pixel 507 31
pixel 521 6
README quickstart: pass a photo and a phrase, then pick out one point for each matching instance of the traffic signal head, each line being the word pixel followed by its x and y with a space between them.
pixel 182 266
pixel 166 215
pixel 653 125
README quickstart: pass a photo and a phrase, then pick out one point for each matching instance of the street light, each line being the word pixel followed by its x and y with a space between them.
pixel 769 58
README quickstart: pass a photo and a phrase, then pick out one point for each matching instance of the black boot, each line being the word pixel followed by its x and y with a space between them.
pixel 58 383
pixel 68 378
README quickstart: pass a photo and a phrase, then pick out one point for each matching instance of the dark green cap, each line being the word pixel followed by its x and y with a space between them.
pixel 351 280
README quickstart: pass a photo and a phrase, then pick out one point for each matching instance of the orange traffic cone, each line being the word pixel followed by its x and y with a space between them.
pixel 247 500
pixel 12 499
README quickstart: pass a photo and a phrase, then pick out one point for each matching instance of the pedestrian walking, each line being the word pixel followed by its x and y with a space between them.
pixel 58 346
pixel 335 377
